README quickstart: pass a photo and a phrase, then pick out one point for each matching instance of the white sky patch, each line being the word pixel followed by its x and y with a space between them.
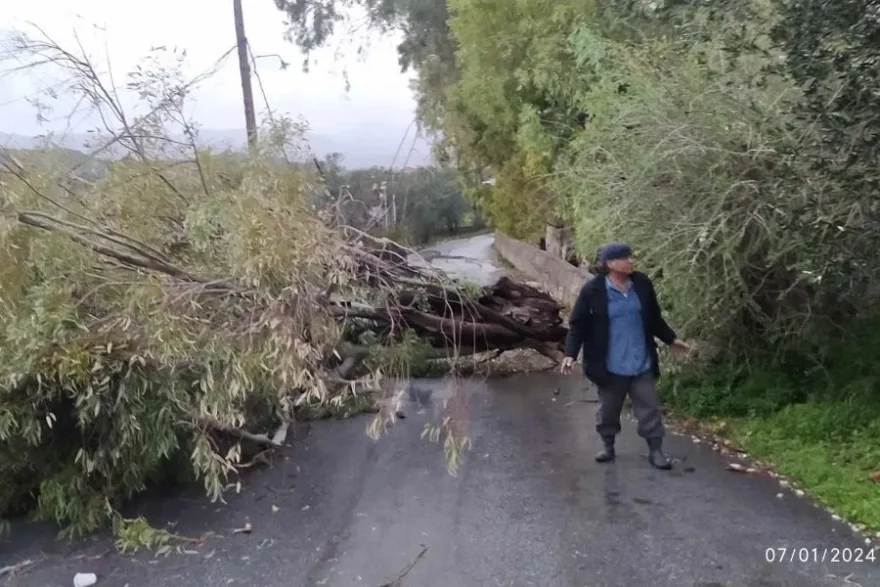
pixel 379 94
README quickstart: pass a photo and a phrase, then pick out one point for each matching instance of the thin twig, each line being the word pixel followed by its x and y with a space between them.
pixel 396 582
pixel 261 439
pixel 10 570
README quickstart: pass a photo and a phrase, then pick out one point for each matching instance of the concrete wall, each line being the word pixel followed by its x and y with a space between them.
pixel 562 280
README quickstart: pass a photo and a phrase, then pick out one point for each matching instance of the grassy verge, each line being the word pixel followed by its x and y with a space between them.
pixel 837 474
pixel 819 426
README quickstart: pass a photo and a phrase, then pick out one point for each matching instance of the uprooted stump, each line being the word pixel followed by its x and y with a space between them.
pixel 506 315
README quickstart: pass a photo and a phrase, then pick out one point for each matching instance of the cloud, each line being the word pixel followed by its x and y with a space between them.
pixel 379 100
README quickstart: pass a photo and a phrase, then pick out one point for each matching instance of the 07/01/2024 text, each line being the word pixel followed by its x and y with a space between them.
pixel 788 554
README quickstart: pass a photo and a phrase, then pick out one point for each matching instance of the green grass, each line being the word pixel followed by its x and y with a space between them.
pixel 818 426
pixel 835 473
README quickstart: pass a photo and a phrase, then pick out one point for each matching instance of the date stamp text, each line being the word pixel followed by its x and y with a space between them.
pixel 792 554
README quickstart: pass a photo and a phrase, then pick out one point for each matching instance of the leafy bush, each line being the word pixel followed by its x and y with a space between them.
pixel 109 372
pixel 152 318
pixel 688 163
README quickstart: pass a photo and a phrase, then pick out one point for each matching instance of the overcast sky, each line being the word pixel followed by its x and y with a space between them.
pixel 379 92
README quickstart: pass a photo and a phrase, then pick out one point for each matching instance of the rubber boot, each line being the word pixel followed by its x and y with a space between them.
pixel 656 457
pixel 607 455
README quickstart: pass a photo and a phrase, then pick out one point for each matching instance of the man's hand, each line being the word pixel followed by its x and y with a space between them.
pixel 567 362
pixel 681 347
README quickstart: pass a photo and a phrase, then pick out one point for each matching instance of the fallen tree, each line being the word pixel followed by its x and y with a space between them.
pixel 178 314
pixel 504 316
pixel 95 367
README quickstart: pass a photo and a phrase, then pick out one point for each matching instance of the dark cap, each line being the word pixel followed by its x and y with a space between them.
pixel 613 251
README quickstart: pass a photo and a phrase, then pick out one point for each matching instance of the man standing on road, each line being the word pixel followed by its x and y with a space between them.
pixel 615 319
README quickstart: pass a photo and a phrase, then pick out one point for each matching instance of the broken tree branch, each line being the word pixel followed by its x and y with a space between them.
pixel 432 306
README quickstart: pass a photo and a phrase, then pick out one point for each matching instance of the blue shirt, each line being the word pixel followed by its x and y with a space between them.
pixel 627 348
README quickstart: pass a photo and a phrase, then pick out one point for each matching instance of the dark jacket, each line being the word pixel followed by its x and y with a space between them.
pixel 588 325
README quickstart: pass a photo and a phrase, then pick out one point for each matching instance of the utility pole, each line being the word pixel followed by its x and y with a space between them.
pixel 250 119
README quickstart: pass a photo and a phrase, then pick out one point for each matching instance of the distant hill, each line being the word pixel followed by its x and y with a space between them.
pixel 60 159
pixel 361 148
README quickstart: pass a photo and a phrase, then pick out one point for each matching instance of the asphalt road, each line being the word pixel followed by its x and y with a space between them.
pixel 529 507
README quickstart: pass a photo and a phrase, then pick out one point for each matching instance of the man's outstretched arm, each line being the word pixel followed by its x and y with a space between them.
pixel 662 330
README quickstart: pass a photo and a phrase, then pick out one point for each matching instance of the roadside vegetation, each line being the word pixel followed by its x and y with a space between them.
pixel 817 423
pixel 735 144
pixel 414 207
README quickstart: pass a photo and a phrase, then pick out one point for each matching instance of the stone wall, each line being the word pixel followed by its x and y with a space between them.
pixel 562 280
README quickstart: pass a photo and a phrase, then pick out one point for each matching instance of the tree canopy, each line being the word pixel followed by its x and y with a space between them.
pixel 735 143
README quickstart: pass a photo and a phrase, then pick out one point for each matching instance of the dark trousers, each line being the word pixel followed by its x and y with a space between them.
pixel 645 402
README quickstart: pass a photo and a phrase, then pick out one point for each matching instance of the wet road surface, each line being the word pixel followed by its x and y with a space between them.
pixel 528 508
pixel 467 258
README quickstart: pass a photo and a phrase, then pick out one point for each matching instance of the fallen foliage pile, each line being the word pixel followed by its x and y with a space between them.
pixel 176 314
